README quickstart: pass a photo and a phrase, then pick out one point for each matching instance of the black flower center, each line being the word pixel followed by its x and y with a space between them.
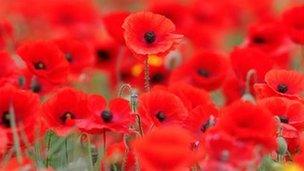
pixel 259 40
pixel 205 126
pixel 5 119
pixel 66 116
pixel 160 116
pixel 36 86
pixel 106 116
pixel 150 37
pixel 283 119
pixel 69 57
pixel 157 78
pixel 39 65
pixel 203 73
pixel 103 55
pixel 282 88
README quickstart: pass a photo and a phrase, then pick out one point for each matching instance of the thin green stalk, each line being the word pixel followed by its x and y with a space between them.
pixel 90 153
pixel 147 75
pixel 66 150
pixel 49 145
pixel 15 134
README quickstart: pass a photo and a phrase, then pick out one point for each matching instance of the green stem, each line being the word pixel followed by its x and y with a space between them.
pixel 90 153
pixel 147 75
pixel 48 150
pixel 15 134
pixel 66 150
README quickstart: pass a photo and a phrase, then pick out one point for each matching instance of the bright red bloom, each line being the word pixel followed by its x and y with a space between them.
pixel 106 52
pixel 8 68
pixel 286 83
pixel 115 117
pixel 247 122
pixel 45 60
pixel 233 88
pixel 78 54
pixel 204 70
pixel 113 22
pixel 65 107
pixel 6 31
pixel 166 148
pixel 161 107
pixel 201 118
pixel 290 113
pixel 4 141
pixel 245 59
pixel 192 97
pixel 147 33
pixel 26 110
pixel 293 20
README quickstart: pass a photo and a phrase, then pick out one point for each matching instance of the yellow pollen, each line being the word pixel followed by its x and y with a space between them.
pixel 155 60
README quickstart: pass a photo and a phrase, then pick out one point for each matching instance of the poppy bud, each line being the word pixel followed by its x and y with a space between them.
pixel 282 146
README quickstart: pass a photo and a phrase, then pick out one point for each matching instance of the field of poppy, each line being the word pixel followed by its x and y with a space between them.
pixel 149 85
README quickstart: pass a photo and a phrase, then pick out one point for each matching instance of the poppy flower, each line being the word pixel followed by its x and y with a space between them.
pixel 147 33
pixel 4 141
pixel 62 110
pixel 6 31
pixel 246 122
pixel 8 68
pixel 26 110
pixel 294 24
pixel 290 113
pixel 78 54
pixel 160 107
pixel 192 97
pixel 225 148
pixel 113 22
pixel 200 119
pixel 45 60
pixel 299 158
pixel 204 70
pixel 233 88
pixel 165 148
pixel 106 53
pixel 115 117
pixel 284 82
pixel 245 59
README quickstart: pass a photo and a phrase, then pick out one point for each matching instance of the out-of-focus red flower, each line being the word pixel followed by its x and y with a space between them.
pixel 6 32
pixel 200 119
pixel 233 88
pixel 45 60
pixel 160 107
pixel 290 113
pixel 78 54
pixel 299 158
pixel 147 33
pixel 247 122
pixel 106 52
pixel 204 70
pixel 62 110
pixel 166 148
pixel 192 97
pixel 8 68
pixel 284 82
pixel 224 148
pixel 14 165
pixel 4 141
pixel 115 117
pixel 245 59
pixel 113 22
pixel 292 19
pixel 26 110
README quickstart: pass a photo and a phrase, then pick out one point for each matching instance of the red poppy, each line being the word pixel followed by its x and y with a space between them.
pixel 8 68
pixel 113 22
pixel 290 113
pixel 45 60
pixel 225 148
pixel 192 97
pixel 200 119
pixel 299 158
pixel 204 70
pixel 166 148
pixel 246 122
pixel 233 88
pixel 78 54
pixel 115 117
pixel 6 31
pixel 106 52
pixel 245 59
pixel 4 141
pixel 26 110
pixel 292 19
pixel 65 107
pixel 286 83
pixel 160 107
pixel 147 33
